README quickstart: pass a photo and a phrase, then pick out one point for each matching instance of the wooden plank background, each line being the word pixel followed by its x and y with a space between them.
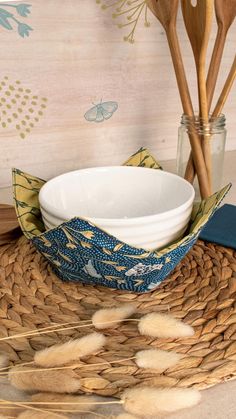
pixel 75 56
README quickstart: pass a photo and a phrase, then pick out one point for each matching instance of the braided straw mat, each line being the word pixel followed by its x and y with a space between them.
pixel 201 291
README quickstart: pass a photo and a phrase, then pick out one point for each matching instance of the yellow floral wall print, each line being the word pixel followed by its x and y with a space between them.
pixel 128 14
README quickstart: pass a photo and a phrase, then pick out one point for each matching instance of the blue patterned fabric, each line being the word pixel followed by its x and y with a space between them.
pixel 104 260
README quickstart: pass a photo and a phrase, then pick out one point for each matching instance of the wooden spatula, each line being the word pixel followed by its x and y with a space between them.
pixel 9 226
pixel 198 21
pixel 166 12
pixel 225 11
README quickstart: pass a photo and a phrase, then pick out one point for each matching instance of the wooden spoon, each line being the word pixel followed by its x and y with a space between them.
pixel 9 226
pixel 166 12
pixel 225 14
pixel 198 20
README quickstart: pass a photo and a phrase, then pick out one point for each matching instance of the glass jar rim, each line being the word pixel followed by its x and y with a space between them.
pixel 199 124
pixel 197 118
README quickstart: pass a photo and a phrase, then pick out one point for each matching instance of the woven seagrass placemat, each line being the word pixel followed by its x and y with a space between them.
pixel 201 291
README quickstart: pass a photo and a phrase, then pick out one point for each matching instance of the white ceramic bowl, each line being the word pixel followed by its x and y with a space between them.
pixel 142 207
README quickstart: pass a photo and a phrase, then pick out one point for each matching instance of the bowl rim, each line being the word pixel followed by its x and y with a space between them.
pixel 62 216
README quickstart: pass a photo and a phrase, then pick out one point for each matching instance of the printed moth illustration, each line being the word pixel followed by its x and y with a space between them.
pixel 101 111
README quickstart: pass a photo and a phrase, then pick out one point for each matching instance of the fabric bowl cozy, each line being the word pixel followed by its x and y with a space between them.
pixel 78 250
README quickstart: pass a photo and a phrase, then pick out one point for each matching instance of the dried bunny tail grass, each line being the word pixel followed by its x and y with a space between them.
pixel 110 317
pixel 157 359
pixel 126 416
pixel 52 381
pixel 163 326
pixel 152 401
pixel 88 401
pixel 73 350
pixel 4 360
pixel 28 414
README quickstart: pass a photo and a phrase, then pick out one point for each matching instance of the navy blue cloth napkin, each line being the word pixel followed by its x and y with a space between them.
pixel 221 228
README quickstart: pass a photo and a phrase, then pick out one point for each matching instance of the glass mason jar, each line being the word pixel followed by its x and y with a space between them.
pixel 215 130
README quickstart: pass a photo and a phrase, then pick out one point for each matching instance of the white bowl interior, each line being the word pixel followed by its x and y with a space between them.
pixel 118 192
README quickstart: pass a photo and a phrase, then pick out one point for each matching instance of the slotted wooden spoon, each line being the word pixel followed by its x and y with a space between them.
pixel 198 21
pixel 166 12
pixel 225 11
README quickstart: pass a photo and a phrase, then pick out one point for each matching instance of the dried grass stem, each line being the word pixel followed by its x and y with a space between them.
pixel 46 331
pixel 67 367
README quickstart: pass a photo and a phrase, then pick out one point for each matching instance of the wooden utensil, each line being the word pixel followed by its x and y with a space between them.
pixel 166 12
pixel 217 110
pixel 9 226
pixel 198 20
pixel 225 91
pixel 225 11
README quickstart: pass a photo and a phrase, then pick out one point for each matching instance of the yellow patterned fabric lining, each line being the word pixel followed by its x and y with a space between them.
pixel 25 193
pixel 143 158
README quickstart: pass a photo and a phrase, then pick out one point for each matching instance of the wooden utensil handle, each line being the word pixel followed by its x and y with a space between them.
pixel 215 64
pixel 203 110
pixel 226 89
pixel 190 169
pixel 210 86
pixel 198 158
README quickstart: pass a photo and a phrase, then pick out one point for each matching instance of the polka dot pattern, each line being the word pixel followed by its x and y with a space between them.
pixel 20 108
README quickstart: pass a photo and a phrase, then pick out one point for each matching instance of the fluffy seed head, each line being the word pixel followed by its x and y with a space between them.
pixel 126 416
pixel 111 317
pixel 156 359
pixel 52 381
pixel 4 360
pixel 163 326
pixel 152 401
pixel 73 350
pixel 30 414
pixel 54 397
